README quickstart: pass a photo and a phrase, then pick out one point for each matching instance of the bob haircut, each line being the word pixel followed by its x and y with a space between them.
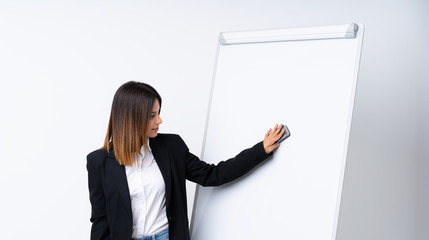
pixel 129 117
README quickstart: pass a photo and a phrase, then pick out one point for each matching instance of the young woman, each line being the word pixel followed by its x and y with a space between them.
pixel 137 179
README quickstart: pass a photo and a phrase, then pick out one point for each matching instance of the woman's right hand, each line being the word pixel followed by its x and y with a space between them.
pixel 271 137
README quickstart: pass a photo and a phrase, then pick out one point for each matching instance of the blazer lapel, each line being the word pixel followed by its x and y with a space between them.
pixel 118 173
pixel 162 158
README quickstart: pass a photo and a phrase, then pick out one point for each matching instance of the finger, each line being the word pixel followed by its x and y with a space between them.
pixel 277 131
pixel 280 134
pixel 277 127
pixel 267 134
pixel 280 127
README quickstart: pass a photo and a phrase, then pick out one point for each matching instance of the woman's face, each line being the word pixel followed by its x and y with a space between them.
pixel 154 121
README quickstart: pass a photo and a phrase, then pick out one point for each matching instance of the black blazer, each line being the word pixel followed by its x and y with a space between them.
pixel 111 215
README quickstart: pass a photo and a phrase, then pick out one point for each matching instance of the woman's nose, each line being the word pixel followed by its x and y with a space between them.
pixel 159 120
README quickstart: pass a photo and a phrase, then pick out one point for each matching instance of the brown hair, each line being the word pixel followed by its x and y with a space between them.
pixel 131 109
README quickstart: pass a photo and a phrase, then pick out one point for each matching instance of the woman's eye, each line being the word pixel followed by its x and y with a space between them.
pixel 152 116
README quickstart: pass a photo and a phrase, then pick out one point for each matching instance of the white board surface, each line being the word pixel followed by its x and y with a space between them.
pixel 307 84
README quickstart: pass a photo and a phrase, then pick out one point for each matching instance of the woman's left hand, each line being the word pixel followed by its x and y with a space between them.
pixel 271 137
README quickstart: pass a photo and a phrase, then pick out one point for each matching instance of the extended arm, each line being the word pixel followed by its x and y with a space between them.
pixel 225 171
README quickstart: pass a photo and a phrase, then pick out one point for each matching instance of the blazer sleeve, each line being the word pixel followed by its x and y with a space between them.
pixel 225 171
pixel 100 227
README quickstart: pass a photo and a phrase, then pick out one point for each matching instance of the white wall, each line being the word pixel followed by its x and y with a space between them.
pixel 61 62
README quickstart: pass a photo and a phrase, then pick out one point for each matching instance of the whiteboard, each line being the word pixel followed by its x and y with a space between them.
pixel 305 78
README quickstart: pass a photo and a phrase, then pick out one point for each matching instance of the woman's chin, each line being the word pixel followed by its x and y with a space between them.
pixel 152 134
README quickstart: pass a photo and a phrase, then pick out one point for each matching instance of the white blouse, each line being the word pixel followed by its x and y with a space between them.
pixel 147 193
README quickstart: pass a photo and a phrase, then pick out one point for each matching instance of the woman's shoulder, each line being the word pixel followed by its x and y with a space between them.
pixel 168 139
pixel 97 156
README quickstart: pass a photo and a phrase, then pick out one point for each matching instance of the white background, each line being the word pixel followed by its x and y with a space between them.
pixel 62 61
